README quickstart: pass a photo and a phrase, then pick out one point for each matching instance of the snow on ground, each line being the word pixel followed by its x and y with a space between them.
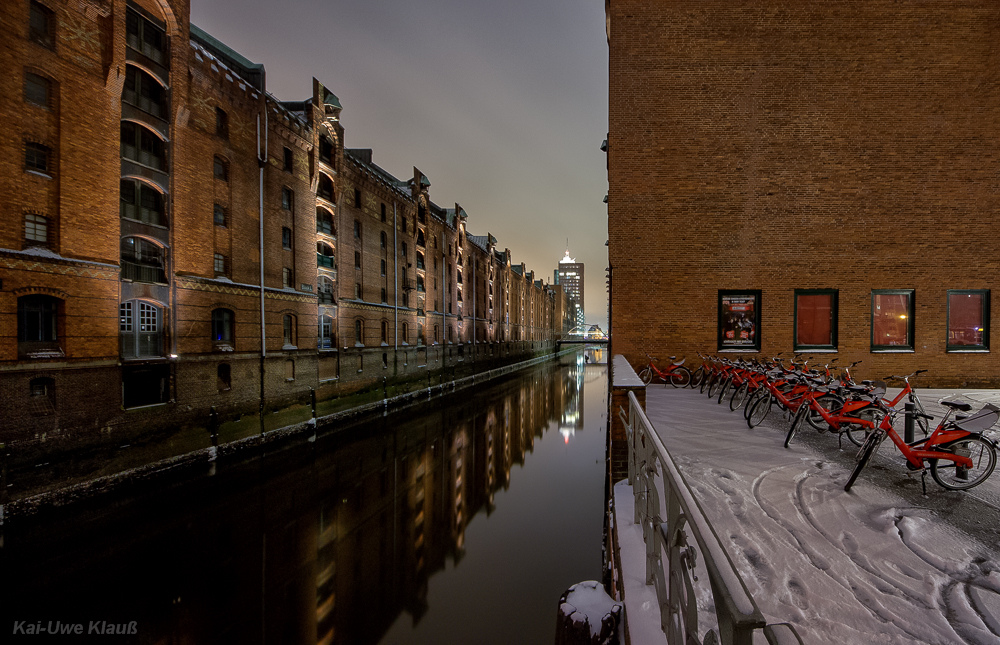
pixel 869 566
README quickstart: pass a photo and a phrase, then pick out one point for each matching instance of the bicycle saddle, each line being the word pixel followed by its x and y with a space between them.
pixel 957 405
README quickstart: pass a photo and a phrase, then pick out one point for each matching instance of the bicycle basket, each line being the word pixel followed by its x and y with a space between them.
pixel 980 421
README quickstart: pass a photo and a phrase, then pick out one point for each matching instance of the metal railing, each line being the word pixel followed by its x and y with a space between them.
pixel 654 476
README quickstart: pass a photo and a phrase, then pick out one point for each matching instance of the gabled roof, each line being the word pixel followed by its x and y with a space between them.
pixel 252 73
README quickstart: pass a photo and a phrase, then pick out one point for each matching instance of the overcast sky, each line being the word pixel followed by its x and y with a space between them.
pixel 503 105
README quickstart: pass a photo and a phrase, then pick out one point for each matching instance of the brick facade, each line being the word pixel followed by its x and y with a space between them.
pixel 776 146
pixel 162 212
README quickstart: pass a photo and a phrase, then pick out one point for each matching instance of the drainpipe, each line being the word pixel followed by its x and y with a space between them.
pixel 261 162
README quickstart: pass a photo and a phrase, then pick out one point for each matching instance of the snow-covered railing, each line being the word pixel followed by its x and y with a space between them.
pixel 666 526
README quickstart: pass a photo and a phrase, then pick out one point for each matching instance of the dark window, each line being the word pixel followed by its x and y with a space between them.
pixel 143 36
pixel 145 385
pixel 357 229
pixel 222 326
pixel 144 92
pixel 37 323
pixel 43 395
pixel 142 203
pixel 403 332
pixel 357 198
pixel 325 291
pixel 357 260
pixel 815 319
pixel 385 331
pixel 287 198
pixel 383 240
pixel 141 329
pixel 357 291
pixel 220 169
pixel 324 222
pixel 326 151
pixel 359 328
pixel 403 249
pixel 142 146
pixel 37 89
pixel 383 212
pixel 36 157
pixel 286 238
pixel 221 123
pixel 739 320
pixel 422 213
pixel 383 267
pixel 325 189
pixel 221 264
pixel 420 283
pixel 287 280
pixel 219 215
pixel 142 261
pixel 42 25
pixel 288 329
pixel 420 238
pixel 892 319
pixel 968 319
pixel 224 377
pixel 324 256
pixel 288 158
pixel 36 229
pixel 384 295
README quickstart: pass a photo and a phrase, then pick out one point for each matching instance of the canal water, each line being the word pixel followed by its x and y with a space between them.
pixel 461 520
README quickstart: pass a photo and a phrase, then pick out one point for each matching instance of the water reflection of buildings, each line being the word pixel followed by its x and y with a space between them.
pixel 399 518
pixel 332 544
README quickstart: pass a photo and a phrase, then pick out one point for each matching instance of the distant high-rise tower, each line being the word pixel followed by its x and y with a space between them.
pixel 570 276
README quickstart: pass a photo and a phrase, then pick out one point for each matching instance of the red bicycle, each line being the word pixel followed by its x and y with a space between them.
pixel 676 374
pixel 959 456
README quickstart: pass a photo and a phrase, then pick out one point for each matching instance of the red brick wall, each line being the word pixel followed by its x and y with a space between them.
pixel 773 145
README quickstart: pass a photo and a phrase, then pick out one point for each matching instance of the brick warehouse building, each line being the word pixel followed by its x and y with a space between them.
pixel 816 177
pixel 238 217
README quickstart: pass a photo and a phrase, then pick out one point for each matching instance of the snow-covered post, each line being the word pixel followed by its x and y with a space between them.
pixel 588 616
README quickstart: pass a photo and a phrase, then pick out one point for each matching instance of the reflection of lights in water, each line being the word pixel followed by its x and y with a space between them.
pixel 567 432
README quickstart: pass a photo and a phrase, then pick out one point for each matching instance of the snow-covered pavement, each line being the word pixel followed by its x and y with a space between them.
pixel 881 564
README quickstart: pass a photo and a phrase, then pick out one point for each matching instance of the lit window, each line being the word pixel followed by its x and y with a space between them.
pixel 968 319
pixel 815 319
pixel 892 319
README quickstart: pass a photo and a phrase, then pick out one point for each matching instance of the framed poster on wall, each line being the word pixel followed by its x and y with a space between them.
pixel 739 320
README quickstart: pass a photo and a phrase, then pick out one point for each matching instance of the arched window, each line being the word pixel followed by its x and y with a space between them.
pixel 36 230
pixel 222 328
pixel 420 238
pixel 326 332
pixel 142 261
pixel 403 332
pixel 436 333
pixel 325 189
pixel 385 331
pixel 324 222
pixel 359 330
pixel 141 145
pixel 144 92
pixel 143 203
pixel 326 150
pixel 37 327
pixel 420 260
pixel 140 326
pixel 324 255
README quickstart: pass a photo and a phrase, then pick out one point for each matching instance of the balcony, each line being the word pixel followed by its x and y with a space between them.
pixel 326 261
pixel 326 298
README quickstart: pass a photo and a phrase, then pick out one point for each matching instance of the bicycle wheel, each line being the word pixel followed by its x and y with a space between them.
pixel 713 387
pixel 646 376
pixel 760 409
pixel 724 389
pixel 796 423
pixel 856 433
pixel 739 396
pixel 696 377
pixel 706 381
pixel 831 403
pixel 920 422
pixel 864 456
pixel 680 377
pixel 748 404
pixel 952 477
